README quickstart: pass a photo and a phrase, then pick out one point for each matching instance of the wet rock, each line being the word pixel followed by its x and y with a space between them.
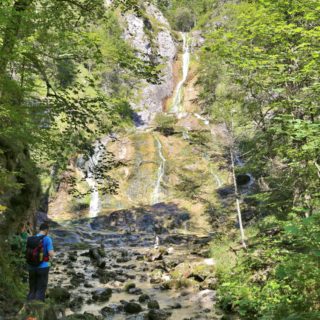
pixel 144 298
pixel 129 286
pixel 156 254
pixel 111 309
pixel 197 277
pixel 123 259
pixel 140 316
pixel 132 307
pixel 153 304
pixel 85 316
pixel 209 283
pixel 94 254
pixel 155 314
pixel 59 295
pixel 76 303
pixel 177 305
pixel 135 291
pixel 102 295
pixel 105 276
pixel 73 256
pixel 77 279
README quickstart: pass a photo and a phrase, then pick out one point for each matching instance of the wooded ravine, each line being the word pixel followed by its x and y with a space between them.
pixel 173 147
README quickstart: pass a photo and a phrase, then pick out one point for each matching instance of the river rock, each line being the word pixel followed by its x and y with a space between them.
pixel 176 305
pixel 59 295
pixel 77 279
pixel 111 309
pixel 102 295
pixel 155 314
pixel 129 286
pixel 94 254
pixel 76 303
pixel 85 316
pixel 132 307
pixel 153 304
pixel 143 298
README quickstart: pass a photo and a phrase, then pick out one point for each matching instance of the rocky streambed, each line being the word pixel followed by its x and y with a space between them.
pixel 133 264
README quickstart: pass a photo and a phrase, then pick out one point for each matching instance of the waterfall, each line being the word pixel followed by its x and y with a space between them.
pixel 177 101
pixel 217 178
pixel 156 191
pixel 95 202
pixel 203 119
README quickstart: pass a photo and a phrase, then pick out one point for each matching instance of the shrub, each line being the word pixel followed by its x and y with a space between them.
pixel 183 20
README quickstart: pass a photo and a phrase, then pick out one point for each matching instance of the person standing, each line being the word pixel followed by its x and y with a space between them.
pixel 39 250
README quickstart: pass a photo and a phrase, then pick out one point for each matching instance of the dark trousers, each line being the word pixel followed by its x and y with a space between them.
pixel 38 282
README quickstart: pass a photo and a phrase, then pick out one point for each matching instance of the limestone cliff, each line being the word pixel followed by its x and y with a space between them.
pixel 151 36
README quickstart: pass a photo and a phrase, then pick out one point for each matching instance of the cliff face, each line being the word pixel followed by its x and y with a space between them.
pixel 21 197
pixel 151 37
pixel 179 168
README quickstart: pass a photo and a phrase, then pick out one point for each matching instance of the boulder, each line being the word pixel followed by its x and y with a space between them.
pixel 59 295
pixel 111 309
pixel 129 286
pixel 76 303
pixel 144 298
pixel 155 314
pixel 132 307
pixel 85 316
pixel 102 295
pixel 153 304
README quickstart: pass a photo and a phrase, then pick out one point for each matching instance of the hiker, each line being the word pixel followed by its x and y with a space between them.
pixel 39 250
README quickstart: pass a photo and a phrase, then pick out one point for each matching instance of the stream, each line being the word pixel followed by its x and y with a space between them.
pixel 156 192
pixel 137 269
pixel 177 106
pixel 141 263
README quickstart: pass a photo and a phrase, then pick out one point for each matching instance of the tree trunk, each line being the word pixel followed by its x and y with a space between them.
pixel 237 198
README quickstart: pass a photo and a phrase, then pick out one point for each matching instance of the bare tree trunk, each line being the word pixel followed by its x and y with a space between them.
pixel 236 191
pixel 237 198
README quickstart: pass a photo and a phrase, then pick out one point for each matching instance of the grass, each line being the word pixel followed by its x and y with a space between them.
pixel 224 257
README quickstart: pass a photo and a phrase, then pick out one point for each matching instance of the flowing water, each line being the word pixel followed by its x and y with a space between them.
pixel 156 249
pixel 93 163
pixel 161 171
pixel 177 106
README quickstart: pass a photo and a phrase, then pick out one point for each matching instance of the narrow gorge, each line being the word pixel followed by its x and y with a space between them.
pixel 171 150
pixel 151 235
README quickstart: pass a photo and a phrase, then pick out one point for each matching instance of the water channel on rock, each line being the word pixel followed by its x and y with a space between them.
pixel 146 261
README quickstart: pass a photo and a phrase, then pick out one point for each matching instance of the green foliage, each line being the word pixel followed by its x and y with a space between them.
pixel 165 123
pixel 12 276
pixel 277 277
pixel 258 68
pixel 183 20
pixel 259 74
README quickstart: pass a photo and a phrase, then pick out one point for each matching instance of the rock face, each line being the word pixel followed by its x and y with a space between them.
pixel 160 48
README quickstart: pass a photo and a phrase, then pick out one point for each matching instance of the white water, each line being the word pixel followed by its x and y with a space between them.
pixel 156 192
pixel 95 202
pixel 203 119
pixel 177 101
pixel 218 180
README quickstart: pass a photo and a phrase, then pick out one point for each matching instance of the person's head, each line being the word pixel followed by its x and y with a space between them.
pixel 44 228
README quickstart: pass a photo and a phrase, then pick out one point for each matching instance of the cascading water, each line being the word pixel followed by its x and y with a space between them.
pixel 95 203
pixel 177 101
pixel 156 191
pixel 203 119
